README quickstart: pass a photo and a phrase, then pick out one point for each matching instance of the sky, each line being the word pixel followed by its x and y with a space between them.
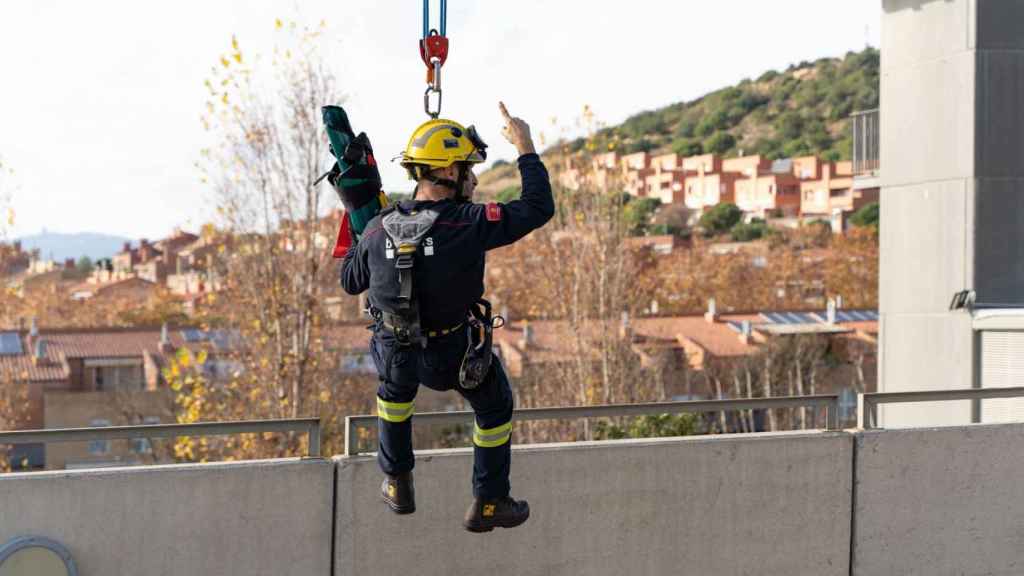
pixel 100 101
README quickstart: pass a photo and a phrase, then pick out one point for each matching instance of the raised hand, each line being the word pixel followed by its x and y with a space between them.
pixel 517 132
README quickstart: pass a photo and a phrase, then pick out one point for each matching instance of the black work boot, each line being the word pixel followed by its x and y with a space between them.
pixel 485 515
pixel 399 493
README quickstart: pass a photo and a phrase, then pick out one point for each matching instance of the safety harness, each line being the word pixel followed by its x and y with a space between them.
pixel 405 228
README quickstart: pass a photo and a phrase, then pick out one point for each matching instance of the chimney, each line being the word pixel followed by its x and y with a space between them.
pixel 831 312
pixel 746 331
pixel 527 338
pixel 839 302
pixel 712 314
pixel 165 340
pixel 654 307
pixel 40 351
pixel 625 328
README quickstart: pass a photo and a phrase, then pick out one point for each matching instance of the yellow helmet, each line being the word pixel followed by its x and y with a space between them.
pixel 441 143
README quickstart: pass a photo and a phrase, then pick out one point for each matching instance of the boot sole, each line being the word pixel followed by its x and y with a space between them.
pixel 400 510
pixel 481 528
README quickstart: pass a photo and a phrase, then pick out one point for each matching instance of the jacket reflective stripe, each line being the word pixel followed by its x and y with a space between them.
pixel 394 411
pixel 492 437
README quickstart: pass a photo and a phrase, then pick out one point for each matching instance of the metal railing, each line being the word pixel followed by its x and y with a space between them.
pixel 308 426
pixel 829 401
pixel 865 142
pixel 867 404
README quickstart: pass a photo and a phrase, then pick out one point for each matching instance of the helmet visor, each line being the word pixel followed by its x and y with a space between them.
pixel 477 142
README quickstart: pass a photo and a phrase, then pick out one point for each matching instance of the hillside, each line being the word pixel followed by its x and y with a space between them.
pixel 800 111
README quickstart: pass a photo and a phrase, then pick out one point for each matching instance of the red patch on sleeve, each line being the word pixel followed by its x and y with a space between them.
pixel 493 212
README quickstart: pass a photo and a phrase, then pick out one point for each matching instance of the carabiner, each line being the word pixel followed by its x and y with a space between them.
pixel 426 102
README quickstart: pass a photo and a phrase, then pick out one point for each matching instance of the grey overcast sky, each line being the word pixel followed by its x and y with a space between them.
pixel 100 100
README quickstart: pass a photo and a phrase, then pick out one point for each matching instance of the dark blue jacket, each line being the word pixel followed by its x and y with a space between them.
pixel 448 273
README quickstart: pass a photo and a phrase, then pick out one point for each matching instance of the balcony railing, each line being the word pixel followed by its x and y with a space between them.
pixel 308 426
pixel 865 142
pixel 828 401
pixel 867 404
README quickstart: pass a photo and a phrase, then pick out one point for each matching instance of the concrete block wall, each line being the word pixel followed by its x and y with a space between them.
pixel 248 518
pixel 939 501
pixel 877 503
pixel 754 504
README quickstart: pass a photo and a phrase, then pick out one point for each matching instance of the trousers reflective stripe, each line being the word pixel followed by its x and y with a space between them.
pixel 394 411
pixel 492 437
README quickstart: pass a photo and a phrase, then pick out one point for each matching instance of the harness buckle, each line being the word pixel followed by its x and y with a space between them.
pixel 404 261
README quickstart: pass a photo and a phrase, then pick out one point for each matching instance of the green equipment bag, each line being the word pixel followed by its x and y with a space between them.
pixel 354 176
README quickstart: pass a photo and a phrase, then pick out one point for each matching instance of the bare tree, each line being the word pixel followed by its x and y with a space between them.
pixel 275 266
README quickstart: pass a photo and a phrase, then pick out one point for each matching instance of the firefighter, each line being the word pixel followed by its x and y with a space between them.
pixel 423 264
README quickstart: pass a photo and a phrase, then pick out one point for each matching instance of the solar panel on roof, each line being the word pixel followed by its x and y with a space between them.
pixel 192 335
pixel 790 318
pixel 737 326
pixel 10 344
pixel 857 316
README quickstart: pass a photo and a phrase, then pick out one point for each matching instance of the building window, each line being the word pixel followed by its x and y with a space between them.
pixel 99 447
pixel 124 378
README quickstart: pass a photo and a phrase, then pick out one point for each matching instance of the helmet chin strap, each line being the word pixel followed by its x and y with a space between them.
pixel 456 186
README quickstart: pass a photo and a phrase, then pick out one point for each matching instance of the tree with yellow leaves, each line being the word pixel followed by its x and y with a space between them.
pixel 264 114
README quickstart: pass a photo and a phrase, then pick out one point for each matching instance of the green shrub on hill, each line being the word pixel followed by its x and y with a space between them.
pixel 637 214
pixel 721 218
pixel 867 216
pixel 747 231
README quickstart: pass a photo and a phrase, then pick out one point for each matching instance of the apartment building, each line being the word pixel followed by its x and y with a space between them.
pixel 764 193
pixel 748 166
pixel 834 192
pixel 704 191
pixel 666 180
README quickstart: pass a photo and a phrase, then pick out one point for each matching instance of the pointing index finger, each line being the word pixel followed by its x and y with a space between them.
pixel 504 112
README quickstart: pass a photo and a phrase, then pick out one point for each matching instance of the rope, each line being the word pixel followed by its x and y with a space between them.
pixel 444 17
pixel 426 18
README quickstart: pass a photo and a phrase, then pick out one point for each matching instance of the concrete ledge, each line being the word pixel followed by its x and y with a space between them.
pixel 740 504
pixel 268 517
pixel 940 501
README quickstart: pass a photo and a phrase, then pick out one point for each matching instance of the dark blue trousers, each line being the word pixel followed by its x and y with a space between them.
pixel 437 367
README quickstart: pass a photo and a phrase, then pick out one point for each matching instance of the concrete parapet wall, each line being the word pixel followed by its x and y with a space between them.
pixel 920 502
pixel 270 517
pixel 754 504
pixel 940 501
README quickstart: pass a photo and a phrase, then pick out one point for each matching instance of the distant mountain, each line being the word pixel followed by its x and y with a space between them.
pixel 56 246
